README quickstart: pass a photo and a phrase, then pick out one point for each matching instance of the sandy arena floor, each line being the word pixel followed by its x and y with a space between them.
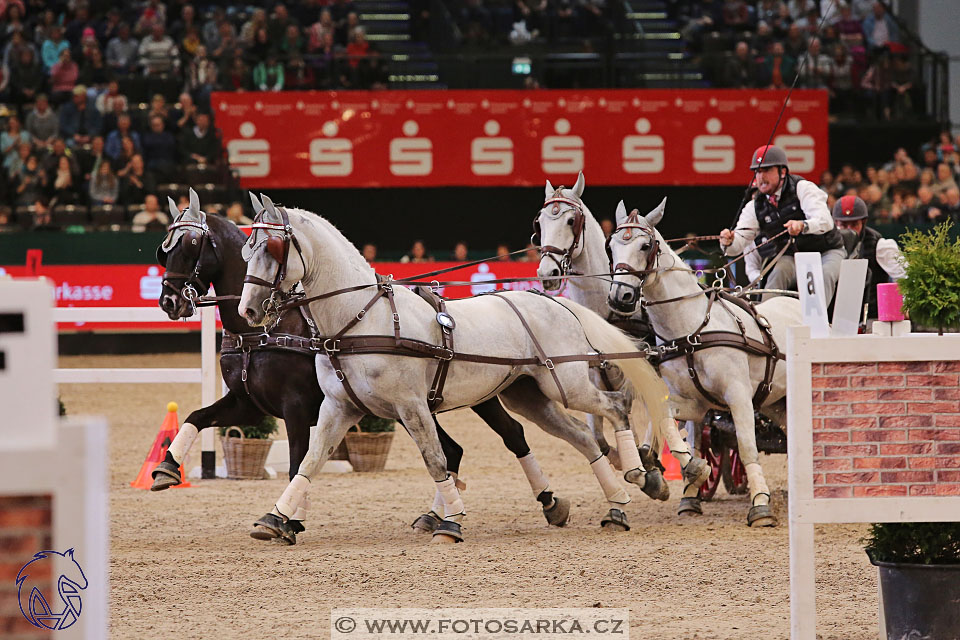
pixel 184 566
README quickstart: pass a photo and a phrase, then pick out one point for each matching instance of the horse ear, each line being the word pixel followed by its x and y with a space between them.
pixel 580 184
pixel 174 212
pixel 269 206
pixel 655 216
pixel 257 205
pixel 194 202
pixel 548 191
pixel 621 213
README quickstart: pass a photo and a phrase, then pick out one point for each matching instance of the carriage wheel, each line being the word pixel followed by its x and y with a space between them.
pixel 733 472
pixel 709 487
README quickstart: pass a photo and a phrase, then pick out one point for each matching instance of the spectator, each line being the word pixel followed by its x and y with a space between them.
pixel 110 27
pixel 88 45
pixel 94 73
pixel 229 43
pixel 10 141
pixel 63 78
pixel 901 82
pixel 778 67
pixel 123 51
pixel 607 226
pixel 841 81
pixel 211 29
pixel 65 189
pixel 159 107
pixel 736 15
pixel 738 71
pixel 49 163
pixel 418 253
pixel 327 63
pixel 460 252
pixel 89 161
pixel 951 204
pixel 945 180
pixel 369 252
pixel 877 84
pixel 280 23
pixel 111 101
pixel 927 208
pixel 154 13
pixel 158 54
pixel 318 31
pixel 104 186
pixel 503 252
pixel 41 215
pixel 42 122
pixel 114 139
pixel 191 43
pixel 200 144
pixel 79 122
pixel 183 116
pixel 261 47
pixel 53 47
pixel 816 68
pixel 235 214
pixel 187 21
pixel 159 148
pixel 135 181
pixel 795 44
pixel 532 254
pixel 237 77
pixel 879 29
pixel 762 39
pixel 268 75
pixel 75 29
pixel 299 76
pixel 31 182
pixel 12 51
pixel 248 32
pixel 292 43
pixel 152 217
pixel 26 78
pixel 201 78
pixel 850 29
pixel 24 151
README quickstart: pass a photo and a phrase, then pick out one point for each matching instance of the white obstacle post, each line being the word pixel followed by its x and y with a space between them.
pixel 866 443
pixel 50 469
pixel 208 387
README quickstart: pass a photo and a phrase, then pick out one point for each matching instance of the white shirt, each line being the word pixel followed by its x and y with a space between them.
pixel 813 201
pixel 753 265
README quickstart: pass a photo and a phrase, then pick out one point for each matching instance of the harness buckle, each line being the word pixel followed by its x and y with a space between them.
pixel 548 363
pixel 315 344
pixel 360 314
pixel 445 354
pixel 696 339
pixel 340 375
pixel 396 318
pixel 281 341
pixel 432 395
pixel 693 374
pixel 243 375
pixel 331 348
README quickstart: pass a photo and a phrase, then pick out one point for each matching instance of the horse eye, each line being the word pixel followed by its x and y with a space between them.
pixel 570 222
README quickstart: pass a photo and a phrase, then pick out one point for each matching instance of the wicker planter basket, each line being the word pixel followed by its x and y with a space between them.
pixel 244 457
pixel 368 451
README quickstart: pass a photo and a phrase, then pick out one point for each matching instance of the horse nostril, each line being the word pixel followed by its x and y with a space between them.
pixel 555 273
pixel 627 296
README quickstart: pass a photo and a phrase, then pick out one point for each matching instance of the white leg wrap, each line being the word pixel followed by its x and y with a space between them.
pixel 452 504
pixel 437 507
pixel 301 513
pixel 182 443
pixel 531 469
pixel 292 496
pixel 678 447
pixel 759 492
pixel 627 446
pixel 608 481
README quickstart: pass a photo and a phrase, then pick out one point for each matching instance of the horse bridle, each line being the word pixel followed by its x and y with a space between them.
pixel 566 255
pixel 279 249
pixel 191 285
pixel 623 268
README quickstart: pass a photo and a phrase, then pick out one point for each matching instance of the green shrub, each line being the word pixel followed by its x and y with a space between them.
pixel 931 290
pixel 267 427
pixel 915 542
pixel 373 424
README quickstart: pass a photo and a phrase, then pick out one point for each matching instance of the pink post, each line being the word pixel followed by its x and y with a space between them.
pixel 889 302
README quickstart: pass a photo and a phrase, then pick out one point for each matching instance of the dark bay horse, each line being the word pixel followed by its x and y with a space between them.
pixel 279 379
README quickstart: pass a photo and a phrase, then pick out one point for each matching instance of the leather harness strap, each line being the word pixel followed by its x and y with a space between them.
pixel 435 396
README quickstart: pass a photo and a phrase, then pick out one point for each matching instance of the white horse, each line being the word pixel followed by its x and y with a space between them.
pixel 396 385
pixel 647 270
pixel 572 242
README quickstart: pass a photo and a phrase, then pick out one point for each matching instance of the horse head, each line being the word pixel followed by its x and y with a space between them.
pixel 558 231
pixel 633 249
pixel 190 265
pixel 272 271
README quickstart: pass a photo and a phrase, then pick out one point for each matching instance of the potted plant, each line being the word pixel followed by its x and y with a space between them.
pixel 931 289
pixel 244 456
pixel 919 566
pixel 369 445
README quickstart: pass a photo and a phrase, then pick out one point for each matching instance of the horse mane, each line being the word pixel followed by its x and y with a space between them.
pixel 356 258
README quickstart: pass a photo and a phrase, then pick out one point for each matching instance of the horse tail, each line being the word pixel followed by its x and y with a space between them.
pixel 649 386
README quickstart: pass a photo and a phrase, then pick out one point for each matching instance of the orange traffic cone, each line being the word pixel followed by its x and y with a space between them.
pixel 672 466
pixel 168 431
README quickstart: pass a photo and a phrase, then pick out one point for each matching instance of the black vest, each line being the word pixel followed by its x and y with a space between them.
pixel 772 219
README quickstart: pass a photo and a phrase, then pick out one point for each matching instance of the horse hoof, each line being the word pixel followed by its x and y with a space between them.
pixel 696 472
pixel 427 523
pixel 165 475
pixel 690 507
pixel 655 486
pixel 447 532
pixel 558 514
pixel 267 528
pixel 761 516
pixel 616 520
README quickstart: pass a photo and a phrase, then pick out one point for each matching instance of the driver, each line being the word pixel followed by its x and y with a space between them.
pixel 786 202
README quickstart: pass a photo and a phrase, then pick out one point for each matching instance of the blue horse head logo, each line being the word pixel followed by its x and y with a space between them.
pixel 34 606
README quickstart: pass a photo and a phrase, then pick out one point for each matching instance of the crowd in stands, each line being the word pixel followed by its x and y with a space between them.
pixel 905 190
pixel 487 23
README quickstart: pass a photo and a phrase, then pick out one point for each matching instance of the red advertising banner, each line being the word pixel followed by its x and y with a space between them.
pixel 139 286
pixel 514 138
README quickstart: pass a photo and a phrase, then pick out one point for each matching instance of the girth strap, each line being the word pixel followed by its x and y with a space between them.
pixel 543 359
pixel 435 397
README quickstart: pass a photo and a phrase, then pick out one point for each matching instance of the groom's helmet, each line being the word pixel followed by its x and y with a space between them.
pixel 769 155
